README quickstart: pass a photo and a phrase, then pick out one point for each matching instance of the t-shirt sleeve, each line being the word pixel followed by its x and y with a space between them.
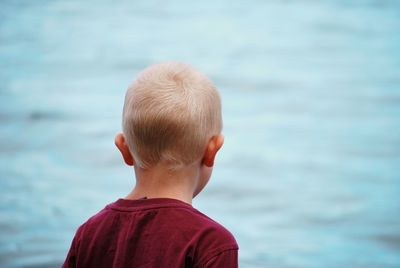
pixel 227 258
pixel 70 261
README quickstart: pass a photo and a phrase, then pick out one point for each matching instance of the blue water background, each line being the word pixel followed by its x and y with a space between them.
pixel 309 175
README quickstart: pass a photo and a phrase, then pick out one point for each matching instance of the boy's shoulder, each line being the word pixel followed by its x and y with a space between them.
pixel 169 229
pixel 168 214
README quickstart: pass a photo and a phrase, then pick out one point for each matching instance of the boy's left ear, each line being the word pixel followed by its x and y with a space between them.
pixel 213 146
pixel 124 149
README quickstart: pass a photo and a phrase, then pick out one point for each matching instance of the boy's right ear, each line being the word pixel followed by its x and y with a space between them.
pixel 124 149
pixel 212 149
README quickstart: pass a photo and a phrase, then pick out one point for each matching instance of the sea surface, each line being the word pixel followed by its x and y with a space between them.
pixel 309 175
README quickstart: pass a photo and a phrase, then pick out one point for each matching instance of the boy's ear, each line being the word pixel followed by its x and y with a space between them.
pixel 124 149
pixel 213 146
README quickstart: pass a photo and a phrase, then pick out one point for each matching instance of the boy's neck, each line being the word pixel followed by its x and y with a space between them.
pixel 160 182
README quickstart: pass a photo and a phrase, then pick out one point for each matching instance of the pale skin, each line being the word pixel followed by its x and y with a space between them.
pixel 160 182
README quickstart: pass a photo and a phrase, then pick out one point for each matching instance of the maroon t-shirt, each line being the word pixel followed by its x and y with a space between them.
pixel 158 232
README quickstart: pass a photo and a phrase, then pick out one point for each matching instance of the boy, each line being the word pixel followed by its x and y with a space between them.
pixel 171 135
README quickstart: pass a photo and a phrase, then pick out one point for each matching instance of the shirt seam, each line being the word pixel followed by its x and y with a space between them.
pixel 111 207
pixel 215 253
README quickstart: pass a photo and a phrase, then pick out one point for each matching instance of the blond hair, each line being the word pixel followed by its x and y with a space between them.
pixel 170 112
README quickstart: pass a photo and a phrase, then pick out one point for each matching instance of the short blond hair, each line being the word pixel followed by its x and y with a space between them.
pixel 170 112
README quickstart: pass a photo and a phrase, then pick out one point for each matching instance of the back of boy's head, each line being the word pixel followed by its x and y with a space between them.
pixel 170 113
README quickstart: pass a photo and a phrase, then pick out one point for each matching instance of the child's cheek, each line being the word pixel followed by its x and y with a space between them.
pixel 205 174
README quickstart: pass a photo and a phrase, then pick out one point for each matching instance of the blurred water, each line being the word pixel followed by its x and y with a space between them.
pixel 309 173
